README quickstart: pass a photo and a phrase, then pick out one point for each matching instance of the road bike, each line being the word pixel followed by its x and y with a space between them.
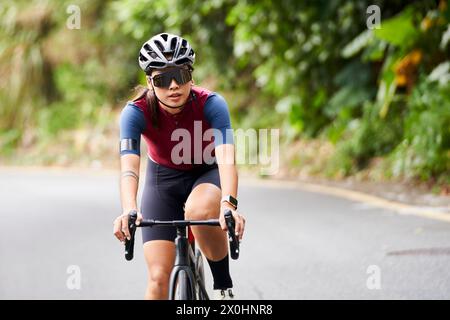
pixel 187 279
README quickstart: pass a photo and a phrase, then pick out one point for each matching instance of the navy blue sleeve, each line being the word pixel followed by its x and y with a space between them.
pixel 217 114
pixel 132 125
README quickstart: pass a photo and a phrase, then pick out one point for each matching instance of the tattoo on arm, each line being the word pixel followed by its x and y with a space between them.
pixel 130 174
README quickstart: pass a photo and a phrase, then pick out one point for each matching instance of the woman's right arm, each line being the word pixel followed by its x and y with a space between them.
pixel 132 124
pixel 129 183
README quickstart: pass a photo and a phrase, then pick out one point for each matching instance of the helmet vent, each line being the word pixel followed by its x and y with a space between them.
pixel 147 48
pixel 157 64
pixel 142 58
pixel 164 36
pixel 182 61
pixel 173 44
pixel 159 45
pixel 168 55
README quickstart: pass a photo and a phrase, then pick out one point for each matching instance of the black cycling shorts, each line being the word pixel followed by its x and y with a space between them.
pixel 165 192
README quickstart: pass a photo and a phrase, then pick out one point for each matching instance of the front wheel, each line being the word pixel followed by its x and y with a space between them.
pixel 183 290
pixel 201 276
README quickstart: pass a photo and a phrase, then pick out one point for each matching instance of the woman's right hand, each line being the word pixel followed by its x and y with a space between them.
pixel 121 230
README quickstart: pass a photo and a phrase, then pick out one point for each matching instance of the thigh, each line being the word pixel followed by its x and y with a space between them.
pixel 160 257
pixel 210 176
pixel 161 200
pixel 204 199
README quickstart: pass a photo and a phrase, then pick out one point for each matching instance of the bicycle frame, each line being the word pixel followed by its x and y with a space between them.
pixel 185 260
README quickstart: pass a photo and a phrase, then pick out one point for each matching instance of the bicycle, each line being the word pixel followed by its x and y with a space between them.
pixel 187 279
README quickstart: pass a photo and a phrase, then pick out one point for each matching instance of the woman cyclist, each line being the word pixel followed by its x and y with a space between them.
pixel 190 172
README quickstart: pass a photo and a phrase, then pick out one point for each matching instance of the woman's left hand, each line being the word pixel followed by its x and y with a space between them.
pixel 238 219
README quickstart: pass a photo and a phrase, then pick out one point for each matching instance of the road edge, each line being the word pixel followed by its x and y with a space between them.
pixel 435 213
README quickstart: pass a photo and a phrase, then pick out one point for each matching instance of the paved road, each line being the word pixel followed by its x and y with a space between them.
pixel 298 245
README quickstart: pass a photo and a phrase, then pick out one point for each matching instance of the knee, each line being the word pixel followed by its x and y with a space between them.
pixel 201 211
pixel 159 277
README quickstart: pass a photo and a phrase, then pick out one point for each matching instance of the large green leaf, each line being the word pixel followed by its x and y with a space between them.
pixel 399 30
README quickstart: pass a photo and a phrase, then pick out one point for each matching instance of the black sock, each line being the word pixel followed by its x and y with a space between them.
pixel 221 273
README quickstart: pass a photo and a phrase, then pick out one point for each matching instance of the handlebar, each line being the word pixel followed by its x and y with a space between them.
pixel 229 220
pixel 232 238
pixel 129 244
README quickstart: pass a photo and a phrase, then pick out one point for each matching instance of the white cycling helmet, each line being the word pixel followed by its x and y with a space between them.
pixel 165 50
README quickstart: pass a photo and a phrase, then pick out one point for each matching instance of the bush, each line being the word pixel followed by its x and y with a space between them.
pixel 425 149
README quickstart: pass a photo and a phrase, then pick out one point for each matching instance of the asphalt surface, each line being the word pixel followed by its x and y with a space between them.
pixel 56 229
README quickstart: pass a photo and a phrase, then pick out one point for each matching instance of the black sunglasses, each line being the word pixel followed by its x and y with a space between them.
pixel 163 80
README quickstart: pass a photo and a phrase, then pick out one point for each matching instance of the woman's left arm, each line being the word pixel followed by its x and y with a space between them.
pixel 225 155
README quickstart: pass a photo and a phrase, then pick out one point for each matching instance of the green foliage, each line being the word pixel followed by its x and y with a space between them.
pixel 23 28
pixel 311 68
pixel 59 78
pixel 294 50
pixel 425 150
pixel 411 128
pixel 399 30
pixel 368 137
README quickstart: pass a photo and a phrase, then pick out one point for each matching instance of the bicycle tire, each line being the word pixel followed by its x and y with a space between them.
pixel 200 271
pixel 183 287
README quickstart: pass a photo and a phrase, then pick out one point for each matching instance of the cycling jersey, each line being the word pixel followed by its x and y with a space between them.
pixel 204 110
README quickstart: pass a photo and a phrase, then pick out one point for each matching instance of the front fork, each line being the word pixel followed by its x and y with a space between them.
pixel 183 261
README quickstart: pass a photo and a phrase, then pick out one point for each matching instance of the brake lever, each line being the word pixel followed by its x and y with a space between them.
pixel 129 244
pixel 234 242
